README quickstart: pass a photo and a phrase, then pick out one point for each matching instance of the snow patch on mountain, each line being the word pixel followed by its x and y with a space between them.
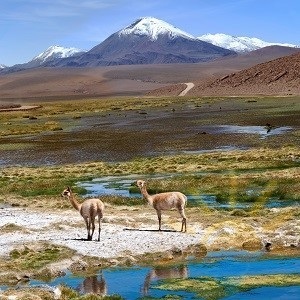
pixel 239 44
pixel 3 66
pixel 153 28
pixel 54 52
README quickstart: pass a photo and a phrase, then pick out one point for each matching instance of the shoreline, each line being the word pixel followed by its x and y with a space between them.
pixel 129 237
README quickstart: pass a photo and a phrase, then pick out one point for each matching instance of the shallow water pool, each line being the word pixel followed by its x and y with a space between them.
pixel 217 267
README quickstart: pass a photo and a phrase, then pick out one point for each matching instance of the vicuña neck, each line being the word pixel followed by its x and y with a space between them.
pixel 74 202
pixel 146 195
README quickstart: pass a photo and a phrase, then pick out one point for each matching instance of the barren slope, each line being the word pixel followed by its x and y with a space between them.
pixel 134 80
pixel 278 77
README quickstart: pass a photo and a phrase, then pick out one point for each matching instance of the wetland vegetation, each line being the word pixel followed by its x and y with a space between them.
pixel 63 143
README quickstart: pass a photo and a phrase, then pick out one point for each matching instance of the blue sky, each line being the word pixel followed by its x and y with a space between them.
pixel 28 27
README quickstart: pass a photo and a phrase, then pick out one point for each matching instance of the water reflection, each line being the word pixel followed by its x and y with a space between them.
pixel 262 131
pixel 159 273
pixel 216 267
pixel 93 285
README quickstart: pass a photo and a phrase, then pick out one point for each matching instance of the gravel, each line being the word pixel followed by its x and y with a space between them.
pixel 67 229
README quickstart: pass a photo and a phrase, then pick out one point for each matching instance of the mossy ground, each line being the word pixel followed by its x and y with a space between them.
pixel 211 289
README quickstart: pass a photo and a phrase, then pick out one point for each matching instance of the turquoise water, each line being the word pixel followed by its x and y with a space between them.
pixel 136 282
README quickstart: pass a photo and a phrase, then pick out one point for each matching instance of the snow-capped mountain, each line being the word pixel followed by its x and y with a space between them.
pixel 3 66
pixel 50 55
pixel 55 52
pixel 239 44
pixel 153 28
pixel 147 41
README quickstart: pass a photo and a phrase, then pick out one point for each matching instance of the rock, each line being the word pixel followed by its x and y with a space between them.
pixel 10 278
pixel 78 265
pixel 252 244
pixel 129 261
pixel 176 251
pixel 198 250
pixel 228 235
pixel 48 273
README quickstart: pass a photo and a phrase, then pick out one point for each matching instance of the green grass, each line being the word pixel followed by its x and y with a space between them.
pixel 248 175
pixel 238 176
pixel 70 294
pixel 34 259
pixel 210 289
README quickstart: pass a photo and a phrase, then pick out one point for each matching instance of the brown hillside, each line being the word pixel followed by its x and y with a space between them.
pixel 132 80
pixel 280 76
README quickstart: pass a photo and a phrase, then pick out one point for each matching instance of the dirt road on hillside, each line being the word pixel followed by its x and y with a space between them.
pixel 189 86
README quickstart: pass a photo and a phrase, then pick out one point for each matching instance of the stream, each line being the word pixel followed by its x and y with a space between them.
pixel 120 186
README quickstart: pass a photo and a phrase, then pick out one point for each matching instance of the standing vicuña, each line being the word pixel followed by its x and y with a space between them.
pixel 165 201
pixel 89 209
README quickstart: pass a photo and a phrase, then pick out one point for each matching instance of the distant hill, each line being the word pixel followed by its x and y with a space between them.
pixel 280 76
pixel 239 44
pixel 131 79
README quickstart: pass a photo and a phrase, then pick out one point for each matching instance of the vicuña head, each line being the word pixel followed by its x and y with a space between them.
pixel 66 192
pixel 89 209
pixel 165 201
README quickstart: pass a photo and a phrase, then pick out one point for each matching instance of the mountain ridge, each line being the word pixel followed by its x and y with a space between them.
pixel 147 41
pixel 143 33
pixel 54 52
pixel 240 44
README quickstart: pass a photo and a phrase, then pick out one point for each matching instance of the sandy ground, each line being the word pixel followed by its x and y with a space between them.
pixel 67 229
pixel 133 231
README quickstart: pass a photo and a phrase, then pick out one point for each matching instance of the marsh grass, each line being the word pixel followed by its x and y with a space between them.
pixel 204 287
pixel 27 294
pixel 32 258
pixel 237 176
pixel 119 200
pixel 251 282
pixel 32 293
pixel 70 294
pixel 60 115
pixel 10 227
pixel 210 289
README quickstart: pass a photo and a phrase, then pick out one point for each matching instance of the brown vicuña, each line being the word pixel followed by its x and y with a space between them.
pixel 89 209
pixel 165 201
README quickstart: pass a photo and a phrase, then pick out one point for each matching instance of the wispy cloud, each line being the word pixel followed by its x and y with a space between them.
pixel 38 10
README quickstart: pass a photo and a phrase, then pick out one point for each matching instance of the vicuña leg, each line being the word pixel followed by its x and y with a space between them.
pixel 93 227
pixel 159 219
pixel 183 222
pixel 88 228
pixel 99 221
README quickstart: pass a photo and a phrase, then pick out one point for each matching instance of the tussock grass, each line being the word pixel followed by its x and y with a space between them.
pixel 35 257
pixel 70 294
pixel 210 289
pixel 252 175
pixel 10 227
pixel 59 115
